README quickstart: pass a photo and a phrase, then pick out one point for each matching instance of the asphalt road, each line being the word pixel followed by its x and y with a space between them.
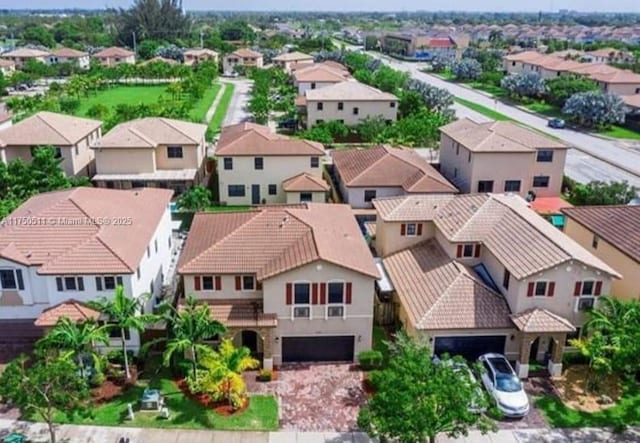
pixel 237 111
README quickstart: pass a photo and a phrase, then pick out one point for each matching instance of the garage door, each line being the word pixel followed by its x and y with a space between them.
pixel 470 347
pixel 335 348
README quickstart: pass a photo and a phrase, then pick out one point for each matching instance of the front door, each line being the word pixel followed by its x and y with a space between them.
pixel 250 340
pixel 255 194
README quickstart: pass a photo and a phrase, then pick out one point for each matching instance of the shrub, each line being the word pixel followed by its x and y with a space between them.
pixel 265 375
pixel 594 109
pixel 574 358
pixel 467 69
pixel 116 356
pixel 97 379
pixel 524 84
pixel 370 360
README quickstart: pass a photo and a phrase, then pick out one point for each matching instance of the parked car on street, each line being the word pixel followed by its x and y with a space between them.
pixel 503 385
pixel 557 123
pixel 288 123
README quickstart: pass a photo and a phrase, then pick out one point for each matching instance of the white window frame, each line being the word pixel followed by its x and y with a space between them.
pixel 546 288
pixel 473 250
pixel 343 305
pixel 15 278
pixel 115 281
pixel 64 283
pixel 583 296
pixel 415 230
pixel 295 305
pixel 242 288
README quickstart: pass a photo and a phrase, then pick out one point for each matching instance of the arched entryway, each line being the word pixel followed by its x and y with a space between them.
pixel 252 340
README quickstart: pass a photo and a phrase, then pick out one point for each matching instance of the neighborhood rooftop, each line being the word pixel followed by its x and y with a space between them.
pixel 151 132
pixel 252 139
pixel 48 128
pixel 349 90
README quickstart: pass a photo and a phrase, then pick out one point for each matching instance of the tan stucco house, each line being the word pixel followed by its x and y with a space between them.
pixel 74 57
pixel 71 137
pixel 363 175
pixel 611 233
pixel 20 56
pixel 480 273
pixel 7 66
pixel 318 75
pixel 195 56
pixel 501 157
pixel 115 56
pixel 348 102
pixel 290 283
pixel 151 152
pixel 289 59
pixel 242 57
pixel 256 166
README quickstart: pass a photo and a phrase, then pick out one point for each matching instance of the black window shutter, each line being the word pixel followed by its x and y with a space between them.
pixel 59 284
pixel 19 277
pixel 80 284
pixel 99 283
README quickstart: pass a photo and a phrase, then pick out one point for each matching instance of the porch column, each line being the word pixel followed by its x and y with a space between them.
pixel 522 365
pixel 267 348
pixel 555 362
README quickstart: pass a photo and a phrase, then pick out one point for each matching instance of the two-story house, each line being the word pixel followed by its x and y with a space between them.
pixel 318 75
pixel 363 175
pixel 20 56
pixel 501 157
pixel 348 102
pixel 195 56
pixel 289 59
pixel 290 283
pixel 114 56
pixel 74 57
pixel 7 67
pixel 242 57
pixel 80 244
pixel 70 136
pixel 153 152
pixel 481 273
pixel 256 166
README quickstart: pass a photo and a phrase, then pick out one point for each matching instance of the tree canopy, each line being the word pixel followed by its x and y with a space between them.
pixel 602 193
pixel 151 19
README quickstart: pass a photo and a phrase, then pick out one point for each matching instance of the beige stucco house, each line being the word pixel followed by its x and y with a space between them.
pixel 290 283
pixel 317 76
pixel 115 56
pixel 289 59
pixel 195 56
pixel 481 273
pixel 74 57
pixel 20 56
pixel 71 137
pixel 151 152
pixel 7 67
pixel 256 166
pixel 242 57
pixel 363 175
pixel 348 102
pixel 611 233
pixel 501 157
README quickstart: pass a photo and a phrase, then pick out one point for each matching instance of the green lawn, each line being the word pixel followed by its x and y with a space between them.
pixel 491 89
pixel 482 109
pixel 620 132
pixel 221 110
pixel 544 108
pixel 201 107
pixel 261 415
pixel 626 412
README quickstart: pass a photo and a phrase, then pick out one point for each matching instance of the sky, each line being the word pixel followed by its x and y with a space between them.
pixel 351 5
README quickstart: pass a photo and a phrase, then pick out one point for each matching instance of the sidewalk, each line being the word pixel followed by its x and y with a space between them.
pixel 37 432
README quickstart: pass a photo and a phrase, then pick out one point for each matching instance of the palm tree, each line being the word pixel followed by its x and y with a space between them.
pixel 191 326
pixel 76 340
pixel 125 313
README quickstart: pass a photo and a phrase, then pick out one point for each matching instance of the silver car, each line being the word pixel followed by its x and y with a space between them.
pixel 502 383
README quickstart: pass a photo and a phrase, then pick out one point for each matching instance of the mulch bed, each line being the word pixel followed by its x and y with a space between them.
pixel 113 387
pixel 220 407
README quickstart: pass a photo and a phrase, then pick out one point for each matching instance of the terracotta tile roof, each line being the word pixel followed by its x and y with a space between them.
pixel 150 132
pixel 200 52
pixel 498 137
pixel 542 321
pixel 300 100
pixel 439 293
pixel 48 128
pixel 349 91
pixel 631 100
pixel 549 205
pixel 370 228
pixel 621 76
pixel 252 139
pixel 594 68
pixel 411 207
pixel 617 225
pixel 334 65
pixel 384 166
pixel 292 57
pixel 272 240
pixel 73 239
pixel 441 43
pixel 71 309
pixel 25 53
pixel 113 51
pixel 527 56
pixel 320 73
pixel 234 313
pixel 169 61
pixel 68 53
pixel 305 182
pixel 246 53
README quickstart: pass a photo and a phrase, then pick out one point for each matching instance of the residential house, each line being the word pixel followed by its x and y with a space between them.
pixel 159 59
pixel 501 157
pixel 287 60
pixel 242 57
pixel 632 103
pixel 79 244
pixel 609 55
pixel 20 56
pixel 348 102
pixel 256 166
pixel 114 56
pixel 151 152
pixel 7 67
pixel 478 273
pixel 317 76
pixel 67 55
pixel 291 283
pixel 363 175
pixel 424 46
pixel 612 233
pixel 621 82
pixel 195 56
pixel 70 136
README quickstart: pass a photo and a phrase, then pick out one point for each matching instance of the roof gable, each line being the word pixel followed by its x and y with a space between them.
pixel 48 128
pixel 252 139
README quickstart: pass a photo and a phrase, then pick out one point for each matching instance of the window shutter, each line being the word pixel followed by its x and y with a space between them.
pixel 348 297
pixel 80 284
pixel 577 289
pixel 419 228
pixel 238 283
pixel 98 283
pixel 323 293
pixel 459 251
pixel 476 252
pixel 551 288
pixel 314 293
pixel 196 283
pixel 20 280
pixel 289 293
pixel 530 289
pixel 598 289
pixel 119 281
pixel 59 283
pixel 403 229
pixel 218 283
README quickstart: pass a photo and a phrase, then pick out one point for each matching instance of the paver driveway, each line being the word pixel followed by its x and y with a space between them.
pixel 315 397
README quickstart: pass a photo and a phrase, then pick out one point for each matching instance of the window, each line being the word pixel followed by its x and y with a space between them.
pixel 207 283
pixel 138 272
pixel 228 163
pixel 70 284
pixel 315 162
pixel 76 150
pixel 313 85
pixel 541 181
pixel 273 189
pixel 115 332
pixel 545 156
pixel 457 149
pixel 319 121
pixel 336 297
pixel 587 288
pixel 248 283
pixel 586 303
pixel 469 157
pixel 356 111
pixel 108 282
pixel 594 242
pixel 572 336
pixel 512 186
pixel 174 151
pixel 319 106
pixel 369 194
pixel 236 190
pixel 340 106
pixel 506 277
pixel 155 244
pixel 11 279
pixel 485 186
pixel 467 250
pixel 392 104
pixel 301 296
pixel 411 229
pixel 306 197
pixel 513 63
pixel 540 289
pixel 258 163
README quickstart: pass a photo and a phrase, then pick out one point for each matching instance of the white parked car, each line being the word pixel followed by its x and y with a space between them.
pixel 502 383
